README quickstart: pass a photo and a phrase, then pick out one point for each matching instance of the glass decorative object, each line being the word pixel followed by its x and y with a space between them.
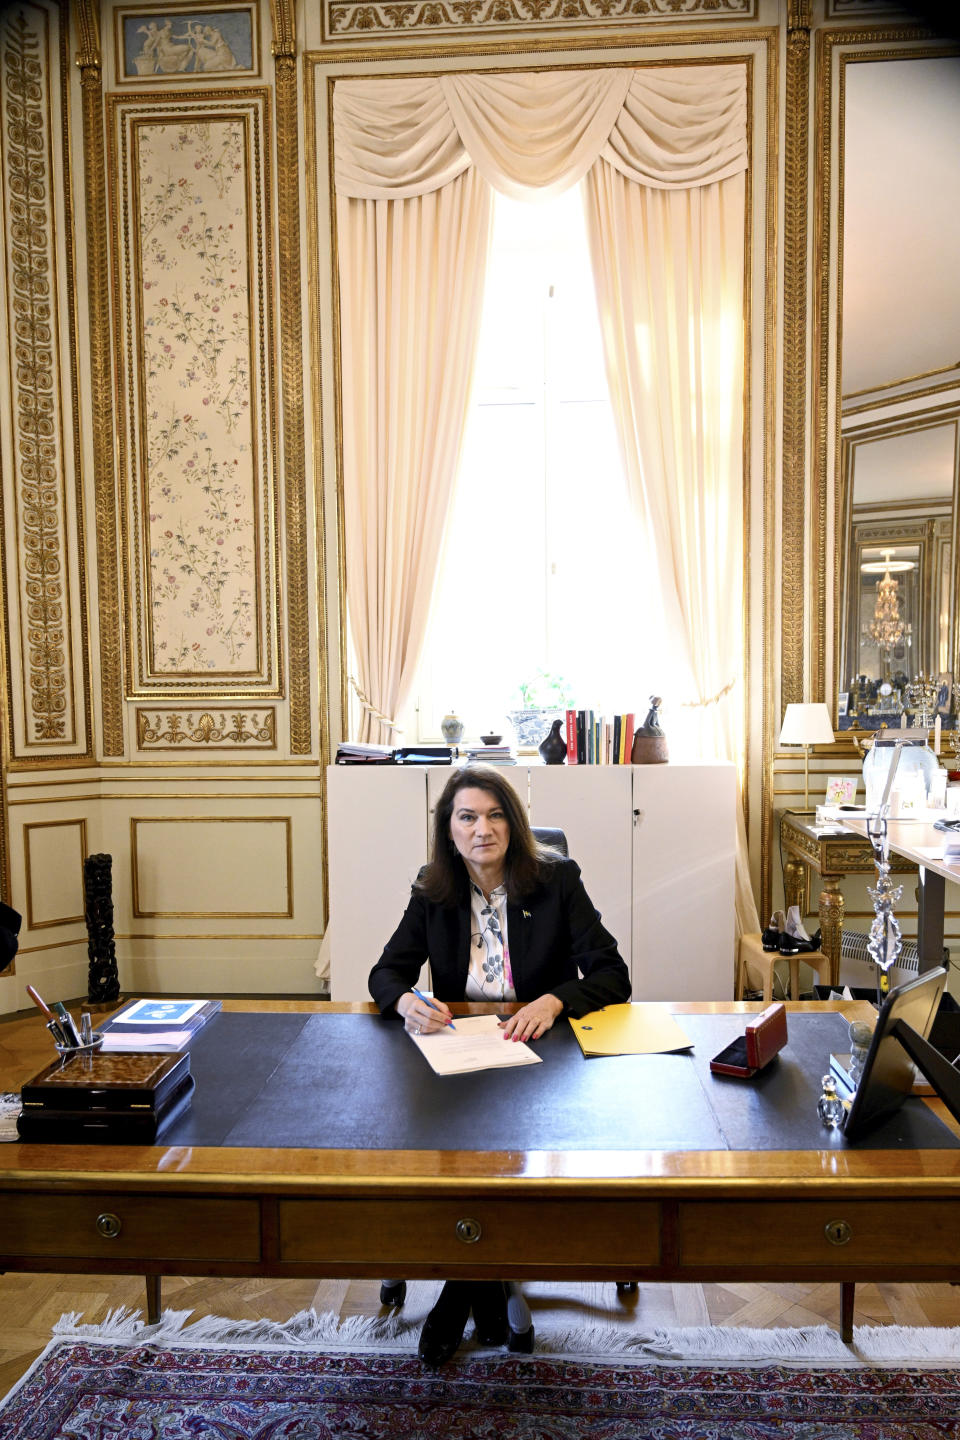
pixel 916 768
pixel 860 1037
pixel 830 1106
pixel 886 939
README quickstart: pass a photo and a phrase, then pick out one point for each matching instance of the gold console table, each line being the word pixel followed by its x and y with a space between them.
pixel 832 853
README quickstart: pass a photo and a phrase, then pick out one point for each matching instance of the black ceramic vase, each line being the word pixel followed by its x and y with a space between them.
pixel 553 748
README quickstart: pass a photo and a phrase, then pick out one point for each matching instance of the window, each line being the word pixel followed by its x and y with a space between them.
pixel 545 567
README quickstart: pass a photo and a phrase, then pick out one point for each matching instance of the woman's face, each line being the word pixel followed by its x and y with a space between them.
pixel 480 830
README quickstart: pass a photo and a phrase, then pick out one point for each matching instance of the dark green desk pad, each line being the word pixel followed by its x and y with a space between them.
pixel 355 1082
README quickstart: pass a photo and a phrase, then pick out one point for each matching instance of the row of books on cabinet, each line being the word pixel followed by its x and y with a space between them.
pixel 598 739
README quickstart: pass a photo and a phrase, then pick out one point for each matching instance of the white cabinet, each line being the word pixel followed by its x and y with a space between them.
pixel 655 844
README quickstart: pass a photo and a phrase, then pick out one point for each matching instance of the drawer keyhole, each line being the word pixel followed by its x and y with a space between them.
pixel 838 1232
pixel 469 1231
pixel 109 1225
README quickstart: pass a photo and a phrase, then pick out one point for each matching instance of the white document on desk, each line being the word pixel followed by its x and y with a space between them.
pixel 476 1043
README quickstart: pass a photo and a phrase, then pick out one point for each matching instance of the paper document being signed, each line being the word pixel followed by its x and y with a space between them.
pixel 477 1043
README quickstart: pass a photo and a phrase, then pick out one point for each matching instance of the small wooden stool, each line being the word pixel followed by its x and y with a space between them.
pixel 753 958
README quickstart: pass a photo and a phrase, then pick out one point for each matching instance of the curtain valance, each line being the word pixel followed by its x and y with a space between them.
pixel 669 127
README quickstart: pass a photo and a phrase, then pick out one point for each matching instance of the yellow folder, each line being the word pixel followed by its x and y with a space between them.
pixel 637 1029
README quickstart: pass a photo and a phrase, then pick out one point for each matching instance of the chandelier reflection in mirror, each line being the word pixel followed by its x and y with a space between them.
pixel 888 628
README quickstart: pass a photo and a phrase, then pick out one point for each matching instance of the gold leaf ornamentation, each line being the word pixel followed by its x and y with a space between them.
pixel 362 19
pixel 188 730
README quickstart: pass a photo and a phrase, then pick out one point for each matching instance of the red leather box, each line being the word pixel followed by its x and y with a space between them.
pixel 761 1040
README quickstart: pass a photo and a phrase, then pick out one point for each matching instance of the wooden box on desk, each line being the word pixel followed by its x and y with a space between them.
pixel 120 1098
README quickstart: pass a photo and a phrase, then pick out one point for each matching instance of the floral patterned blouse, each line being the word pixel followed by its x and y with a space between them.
pixel 489 976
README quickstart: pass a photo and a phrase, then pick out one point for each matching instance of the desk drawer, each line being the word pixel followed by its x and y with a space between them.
pixel 607 1232
pixel 122 1227
pixel 820 1232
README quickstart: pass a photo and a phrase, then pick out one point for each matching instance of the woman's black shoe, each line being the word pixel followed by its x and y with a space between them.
pixel 521 1341
pixel 444 1326
pixel 393 1292
pixel 796 945
pixel 490 1312
pixel 771 937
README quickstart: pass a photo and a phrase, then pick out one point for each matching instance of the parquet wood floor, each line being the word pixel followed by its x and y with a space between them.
pixel 30 1305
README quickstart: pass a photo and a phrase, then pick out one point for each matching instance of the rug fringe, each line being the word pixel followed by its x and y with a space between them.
pixel 876 1345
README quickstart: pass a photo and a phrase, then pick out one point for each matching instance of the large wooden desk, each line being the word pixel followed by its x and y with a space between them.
pixel 808 846
pixel 836 1213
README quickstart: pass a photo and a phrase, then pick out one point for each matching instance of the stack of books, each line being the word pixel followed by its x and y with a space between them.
pixel 490 754
pixel 157 1024
pixel 599 739
pixel 359 753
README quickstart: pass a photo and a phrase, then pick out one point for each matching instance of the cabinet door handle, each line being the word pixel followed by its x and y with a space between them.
pixel 109 1225
pixel 469 1231
pixel 838 1232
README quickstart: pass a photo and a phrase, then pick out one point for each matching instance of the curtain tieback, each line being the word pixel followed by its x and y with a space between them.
pixel 710 700
pixel 371 709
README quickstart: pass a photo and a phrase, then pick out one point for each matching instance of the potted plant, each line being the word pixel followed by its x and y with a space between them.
pixel 542 699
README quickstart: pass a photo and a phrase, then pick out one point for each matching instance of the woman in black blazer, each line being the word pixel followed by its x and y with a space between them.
pixel 499 917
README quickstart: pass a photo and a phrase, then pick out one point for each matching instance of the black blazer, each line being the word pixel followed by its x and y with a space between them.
pixel 552 935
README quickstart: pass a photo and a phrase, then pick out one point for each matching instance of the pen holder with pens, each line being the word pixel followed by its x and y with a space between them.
pixel 89 1047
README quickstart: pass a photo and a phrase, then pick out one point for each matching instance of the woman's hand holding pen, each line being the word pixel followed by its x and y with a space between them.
pixel 533 1020
pixel 421 1016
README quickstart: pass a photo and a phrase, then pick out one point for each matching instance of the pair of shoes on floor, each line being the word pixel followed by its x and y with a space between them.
pixel 786 934
pixel 444 1326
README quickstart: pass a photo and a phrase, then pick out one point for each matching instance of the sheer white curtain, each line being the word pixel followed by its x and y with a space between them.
pixel 411 290
pixel 668 266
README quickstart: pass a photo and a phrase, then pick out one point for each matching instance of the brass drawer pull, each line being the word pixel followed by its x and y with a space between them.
pixel 838 1232
pixel 109 1225
pixel 469 1231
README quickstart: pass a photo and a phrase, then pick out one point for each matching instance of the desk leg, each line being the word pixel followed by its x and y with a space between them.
pixel 831 926
pixel 847 1293
pixel 154 1283
pixel 930 904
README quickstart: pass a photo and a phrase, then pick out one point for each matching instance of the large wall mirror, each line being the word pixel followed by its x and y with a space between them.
pixel 899 484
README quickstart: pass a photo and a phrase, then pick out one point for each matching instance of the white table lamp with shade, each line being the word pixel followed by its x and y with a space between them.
pixel 807 725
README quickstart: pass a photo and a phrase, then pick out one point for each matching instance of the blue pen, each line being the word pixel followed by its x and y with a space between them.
pixel 426 1001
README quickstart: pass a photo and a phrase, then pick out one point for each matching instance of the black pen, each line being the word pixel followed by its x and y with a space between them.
pixel 427 1001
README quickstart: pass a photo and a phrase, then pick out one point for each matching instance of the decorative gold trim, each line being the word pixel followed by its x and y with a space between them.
pixel 907 398
pixel 141 914
pixel 80 824
pixel 907 380
pixel 796 141
pixel 35 394
pixel 768 685
pixel 368 20
pixel 101 380
pixel 187 730
pixel 291 373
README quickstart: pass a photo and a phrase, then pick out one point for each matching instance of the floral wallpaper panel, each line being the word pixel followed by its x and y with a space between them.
pixel 201 492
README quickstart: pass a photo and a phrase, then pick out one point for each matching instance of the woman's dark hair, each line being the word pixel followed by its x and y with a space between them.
pixel 444 880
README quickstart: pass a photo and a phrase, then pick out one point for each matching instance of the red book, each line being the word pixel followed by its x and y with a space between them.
pixel 571 737
pixel 627 739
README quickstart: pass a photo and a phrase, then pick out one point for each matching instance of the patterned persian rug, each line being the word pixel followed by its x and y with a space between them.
pixel 315 1379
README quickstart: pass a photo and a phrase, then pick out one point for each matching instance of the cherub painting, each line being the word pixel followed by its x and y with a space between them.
pixel 208 42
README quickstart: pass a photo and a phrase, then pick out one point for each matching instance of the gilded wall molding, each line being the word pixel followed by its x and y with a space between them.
pixel 101 381
pixel 195 305
pixel 184 729
pixel 51 676
pixel 291 379
pixel 370 20
pixel 796 185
